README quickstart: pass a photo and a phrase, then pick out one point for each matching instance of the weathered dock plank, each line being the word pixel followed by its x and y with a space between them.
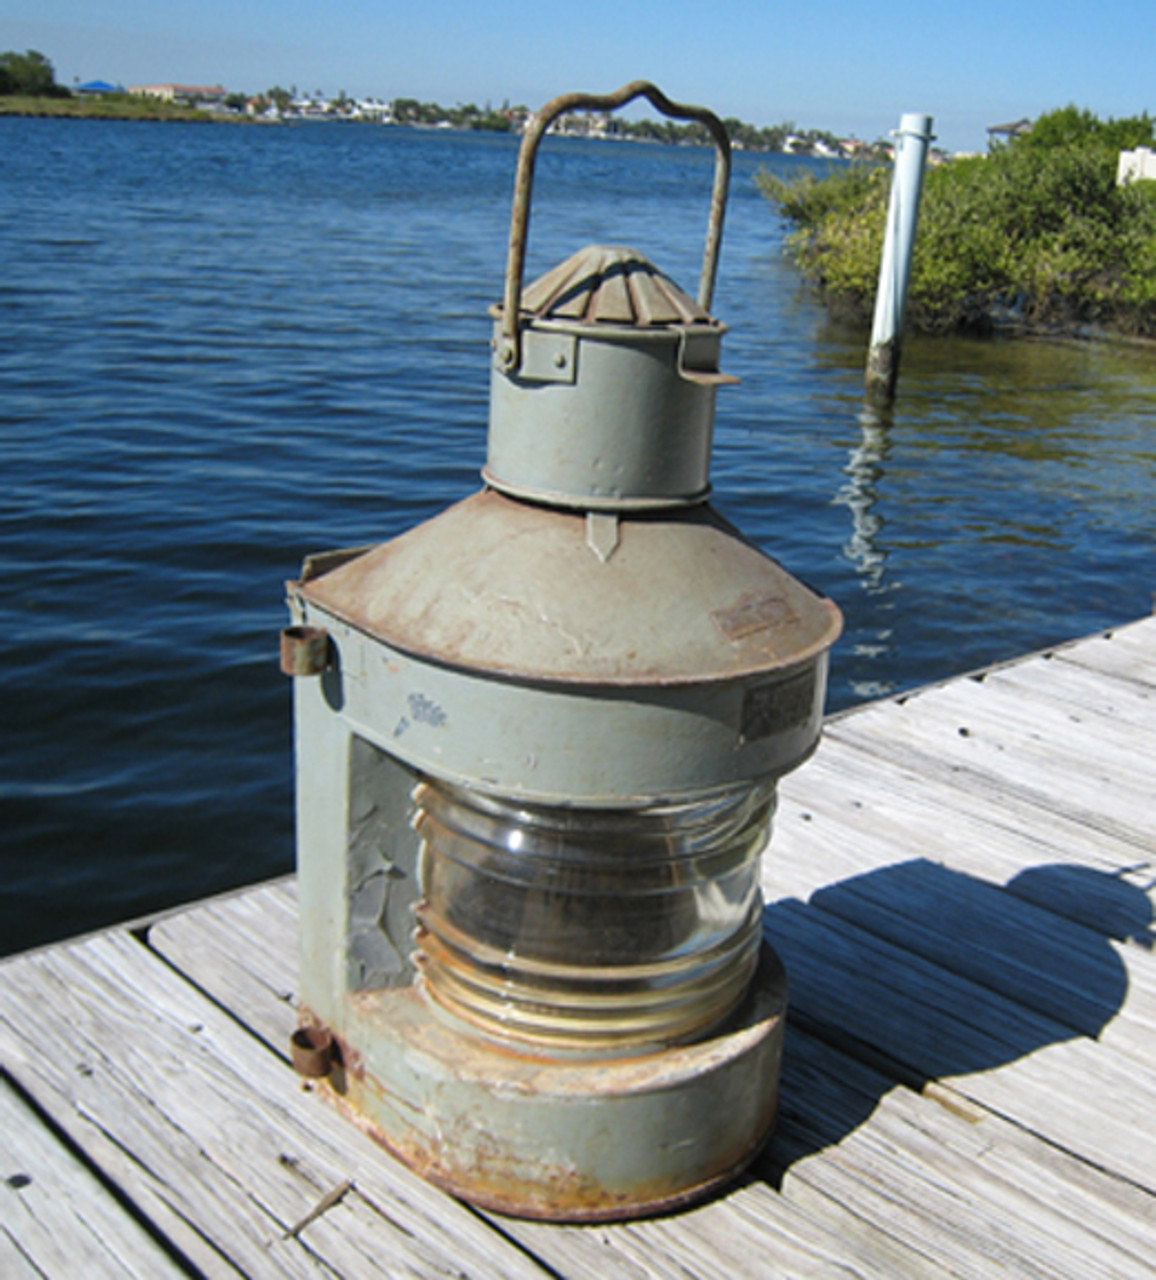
pixel 976 1193
pixel 961 886
pixel 54 1211
pixel 951 742
pixel 1125 652
pixel 719 1241
pixel 210 1135
pixel 853 1195
pixel 933 1024
pixel 235 948
pixel 1079 688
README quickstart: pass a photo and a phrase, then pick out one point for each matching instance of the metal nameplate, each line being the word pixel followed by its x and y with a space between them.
pixel 753 615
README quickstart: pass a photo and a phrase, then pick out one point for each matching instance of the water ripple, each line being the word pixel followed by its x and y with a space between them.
pixel 226 348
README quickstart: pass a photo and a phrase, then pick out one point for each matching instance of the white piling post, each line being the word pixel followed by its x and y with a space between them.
pixel 912 139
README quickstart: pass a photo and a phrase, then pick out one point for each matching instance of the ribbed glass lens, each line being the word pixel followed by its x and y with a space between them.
pixel 590 927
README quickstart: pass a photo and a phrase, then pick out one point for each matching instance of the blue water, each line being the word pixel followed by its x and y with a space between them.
pixel 222 348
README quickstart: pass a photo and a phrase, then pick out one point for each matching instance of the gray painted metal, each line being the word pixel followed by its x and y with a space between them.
pixel 592 664
pixel 546 1133
pixel 584 745
pixel 621 418
pixel 546 1137
pixel 504 588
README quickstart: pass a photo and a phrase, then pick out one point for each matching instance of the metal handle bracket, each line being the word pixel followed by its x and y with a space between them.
pixel 508 355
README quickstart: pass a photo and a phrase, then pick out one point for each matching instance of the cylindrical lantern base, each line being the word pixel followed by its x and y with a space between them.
pixel 568 1140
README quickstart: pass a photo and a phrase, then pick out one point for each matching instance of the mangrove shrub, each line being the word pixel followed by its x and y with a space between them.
pixel 1036 234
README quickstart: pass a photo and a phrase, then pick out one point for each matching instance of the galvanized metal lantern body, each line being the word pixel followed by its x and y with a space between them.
pixel 536 771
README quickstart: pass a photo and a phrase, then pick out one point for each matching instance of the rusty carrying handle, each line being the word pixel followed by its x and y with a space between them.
pixel 508 355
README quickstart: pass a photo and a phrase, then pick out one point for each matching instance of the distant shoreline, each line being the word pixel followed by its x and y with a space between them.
pixel 142 108
pixel 95 109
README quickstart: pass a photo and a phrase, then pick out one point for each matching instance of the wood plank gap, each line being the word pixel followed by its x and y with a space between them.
pixel 139 925
pixel 115 1191
pixel 235 1015
pixel 166 1080
pixel 995 790
pixel 709 1242
pixel 968 1102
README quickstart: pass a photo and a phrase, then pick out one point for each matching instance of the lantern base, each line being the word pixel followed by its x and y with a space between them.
pixel 563 1139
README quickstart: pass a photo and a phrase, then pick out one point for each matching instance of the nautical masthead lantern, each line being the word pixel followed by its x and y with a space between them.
pixel 536 770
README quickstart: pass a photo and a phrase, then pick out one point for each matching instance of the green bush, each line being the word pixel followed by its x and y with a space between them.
pixel 1038 233
pixel 29 73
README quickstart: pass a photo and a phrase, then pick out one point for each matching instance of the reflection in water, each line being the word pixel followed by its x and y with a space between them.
pixel 1003 505
pixel 859 494
pixel 865 548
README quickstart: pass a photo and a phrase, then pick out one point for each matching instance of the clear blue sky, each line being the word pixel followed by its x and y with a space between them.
pixel 852 68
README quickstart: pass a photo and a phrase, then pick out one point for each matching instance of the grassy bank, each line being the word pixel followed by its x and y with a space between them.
pixel 1036 235
pixel 106 107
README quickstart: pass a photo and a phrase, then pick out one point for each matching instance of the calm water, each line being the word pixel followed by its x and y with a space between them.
pixel 223 348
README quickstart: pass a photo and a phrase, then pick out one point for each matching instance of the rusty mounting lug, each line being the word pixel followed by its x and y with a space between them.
pixel 305 651
pixel 312 1050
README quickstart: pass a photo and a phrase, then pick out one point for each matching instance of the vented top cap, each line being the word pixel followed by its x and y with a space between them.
pixel 611 403
pixel 608 284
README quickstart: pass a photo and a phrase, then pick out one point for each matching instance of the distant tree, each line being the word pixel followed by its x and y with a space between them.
pixel 1072 127
pixel 280 98
pixel 236 102
pixel 1038 234
pixel 29 73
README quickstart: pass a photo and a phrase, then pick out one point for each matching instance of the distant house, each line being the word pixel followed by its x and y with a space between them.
pixel 310 108
pixel 1008 131
pixel 582 124
pixel 373 109
pixel 1136 166
pixel 98 87
pixel 184 93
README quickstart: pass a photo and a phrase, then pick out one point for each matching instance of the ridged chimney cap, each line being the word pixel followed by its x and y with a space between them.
pixel 610 284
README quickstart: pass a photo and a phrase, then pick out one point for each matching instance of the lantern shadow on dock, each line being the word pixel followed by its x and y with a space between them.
pixel 926 975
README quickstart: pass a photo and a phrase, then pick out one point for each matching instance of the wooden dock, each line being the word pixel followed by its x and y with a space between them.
pixel 961 885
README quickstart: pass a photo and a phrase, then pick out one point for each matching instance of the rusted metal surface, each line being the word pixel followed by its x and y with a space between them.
pixel 586 745
pixel 305 651
pixel 327 1201
pixel 500 587
pixel 575 1139
pixel 604 284
pixel 311 1049
pixel 553 1193
pixel 508 355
